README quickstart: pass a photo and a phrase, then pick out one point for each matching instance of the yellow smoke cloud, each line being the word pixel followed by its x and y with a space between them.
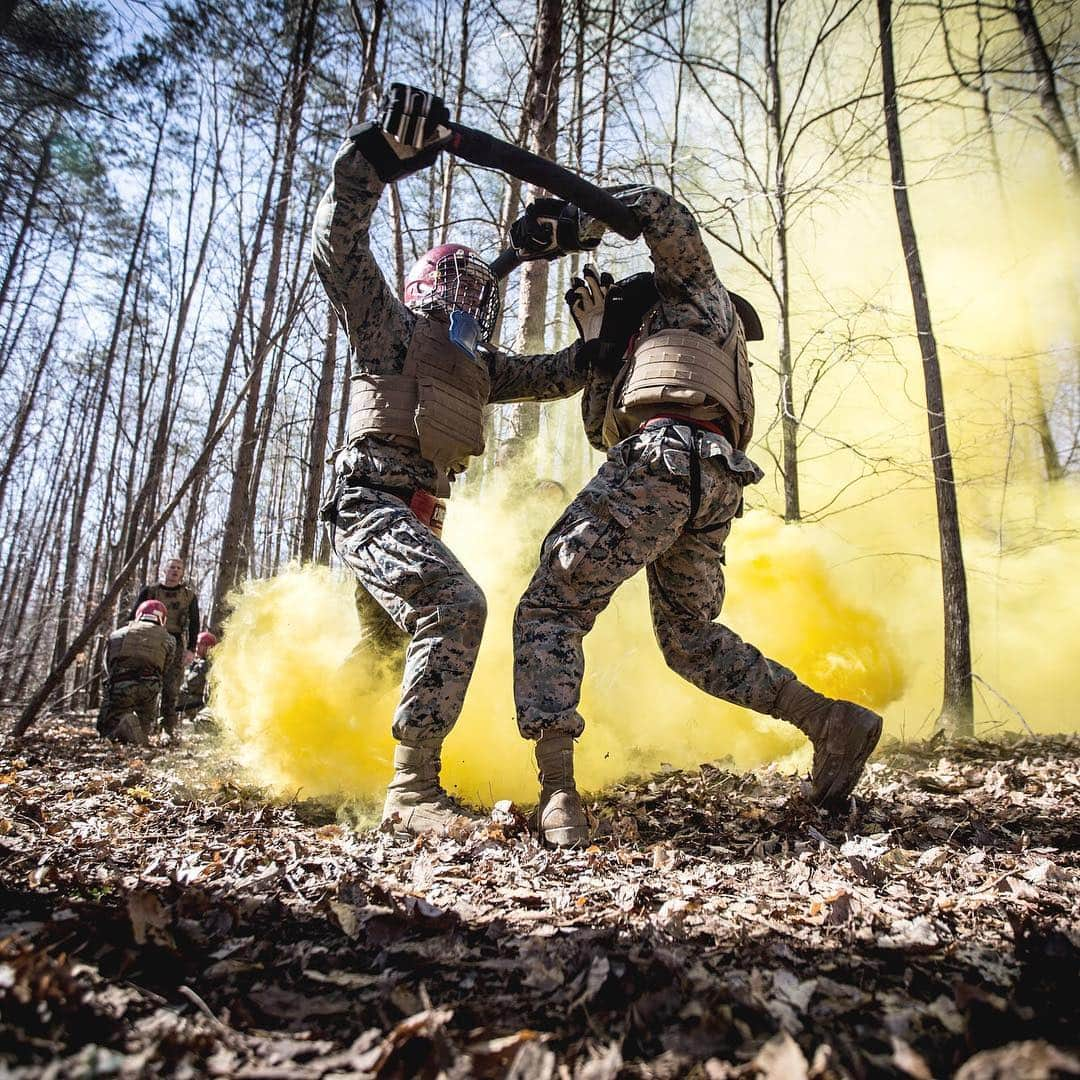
pixel 851 602
pixel 301 720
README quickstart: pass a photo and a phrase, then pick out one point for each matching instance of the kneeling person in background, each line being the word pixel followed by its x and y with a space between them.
pixel 136 658
pixel 194 689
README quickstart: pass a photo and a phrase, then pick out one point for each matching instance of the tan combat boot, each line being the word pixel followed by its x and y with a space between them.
pixel 415 794
pixel 843 734
pixel 560 816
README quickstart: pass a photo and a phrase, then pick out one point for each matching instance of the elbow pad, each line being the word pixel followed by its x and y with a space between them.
pixel 376 149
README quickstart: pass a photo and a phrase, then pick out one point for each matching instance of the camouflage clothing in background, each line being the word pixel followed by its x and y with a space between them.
pixel 138 697
pixel 410 573
pixel 170 687
pixel 193 688
pixel 636 512
pixel 135 657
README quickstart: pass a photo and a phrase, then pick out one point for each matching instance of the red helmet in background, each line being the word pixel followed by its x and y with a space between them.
pixel 152 611
pixel 452 277
pixel 205 642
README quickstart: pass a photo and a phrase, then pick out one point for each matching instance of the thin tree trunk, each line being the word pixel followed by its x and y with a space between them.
pixel 40 174
pixel 233 559
pixel 78 510
pixel 957 708
pixel 26 406
pixel 1053 113
pixel 320 427
pixel 450 161
pixel 789 422
pixel 542 109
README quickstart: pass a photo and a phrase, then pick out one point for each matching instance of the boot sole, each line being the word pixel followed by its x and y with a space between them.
pixel 571 836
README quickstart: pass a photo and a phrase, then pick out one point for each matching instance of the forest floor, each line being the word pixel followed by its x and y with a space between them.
pixel 156 925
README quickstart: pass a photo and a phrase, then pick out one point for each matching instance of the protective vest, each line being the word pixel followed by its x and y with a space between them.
pixel 177 601
pixel 140 648
pixel 436 403
pixel 683 372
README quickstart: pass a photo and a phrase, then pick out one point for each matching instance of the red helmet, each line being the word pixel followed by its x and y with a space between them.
pixel 452 277
pixel 152 610
pixel 205 642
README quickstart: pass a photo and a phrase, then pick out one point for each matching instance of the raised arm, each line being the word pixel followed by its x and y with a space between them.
pixel 372 315
pixel 690 291
pixel 683 268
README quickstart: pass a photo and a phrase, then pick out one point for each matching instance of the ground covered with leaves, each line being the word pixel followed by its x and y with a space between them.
pixel 719 927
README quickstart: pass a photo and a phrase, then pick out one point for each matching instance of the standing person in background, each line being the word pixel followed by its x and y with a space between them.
pixel 182 622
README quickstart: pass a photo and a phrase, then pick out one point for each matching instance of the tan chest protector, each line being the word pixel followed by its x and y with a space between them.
pixel 177 603
pixel 436 403
pixel 138 647
pixel 680 371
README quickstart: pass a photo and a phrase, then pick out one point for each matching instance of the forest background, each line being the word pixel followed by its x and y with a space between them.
pixel 171 379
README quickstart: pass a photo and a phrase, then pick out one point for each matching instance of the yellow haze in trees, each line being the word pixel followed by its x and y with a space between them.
pixel 302 722
pixel 852 602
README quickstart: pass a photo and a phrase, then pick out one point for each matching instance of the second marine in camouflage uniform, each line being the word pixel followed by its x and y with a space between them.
pixel 422 372
pixel 664 499
pixel 136 656
pixel 182 622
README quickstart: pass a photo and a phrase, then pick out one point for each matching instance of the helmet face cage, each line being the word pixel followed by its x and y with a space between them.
pixel 464 282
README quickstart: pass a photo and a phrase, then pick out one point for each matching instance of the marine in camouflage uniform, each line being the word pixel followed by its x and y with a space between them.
pixel 412 590
pixel 194 690
pixel 136 656
pixel 664 499
pixel 182 607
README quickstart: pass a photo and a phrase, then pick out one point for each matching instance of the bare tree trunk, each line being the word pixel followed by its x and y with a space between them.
pixel 789 422
pixel 1053 113
pixel 449 159
pixel 542 110
pixel 233 559
pixel 320 427
pixel 78 509
pixel 27 404
pixel 957 708
pixel 40 174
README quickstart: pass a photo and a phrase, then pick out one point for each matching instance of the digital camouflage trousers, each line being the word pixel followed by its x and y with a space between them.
pixel 171 678
pixel 664 499
pixel 412 593
pixel 125 696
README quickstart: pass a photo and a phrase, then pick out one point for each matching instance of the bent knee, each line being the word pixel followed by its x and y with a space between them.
pixel 465 612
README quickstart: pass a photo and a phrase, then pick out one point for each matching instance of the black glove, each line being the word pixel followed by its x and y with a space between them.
pixel 408 135
pixel 548 229
pixel 625 306
pixel 414 117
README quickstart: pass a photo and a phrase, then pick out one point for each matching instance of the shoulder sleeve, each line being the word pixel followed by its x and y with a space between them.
pixel 539 377
pixel 594 407
pixel 683 267
pixel 193 621
pixel 374 318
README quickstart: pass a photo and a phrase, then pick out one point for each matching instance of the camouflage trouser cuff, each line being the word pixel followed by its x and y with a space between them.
pixel 572 724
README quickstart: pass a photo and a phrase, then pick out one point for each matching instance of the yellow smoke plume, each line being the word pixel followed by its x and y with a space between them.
pixel 852 601
pixel 302 720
